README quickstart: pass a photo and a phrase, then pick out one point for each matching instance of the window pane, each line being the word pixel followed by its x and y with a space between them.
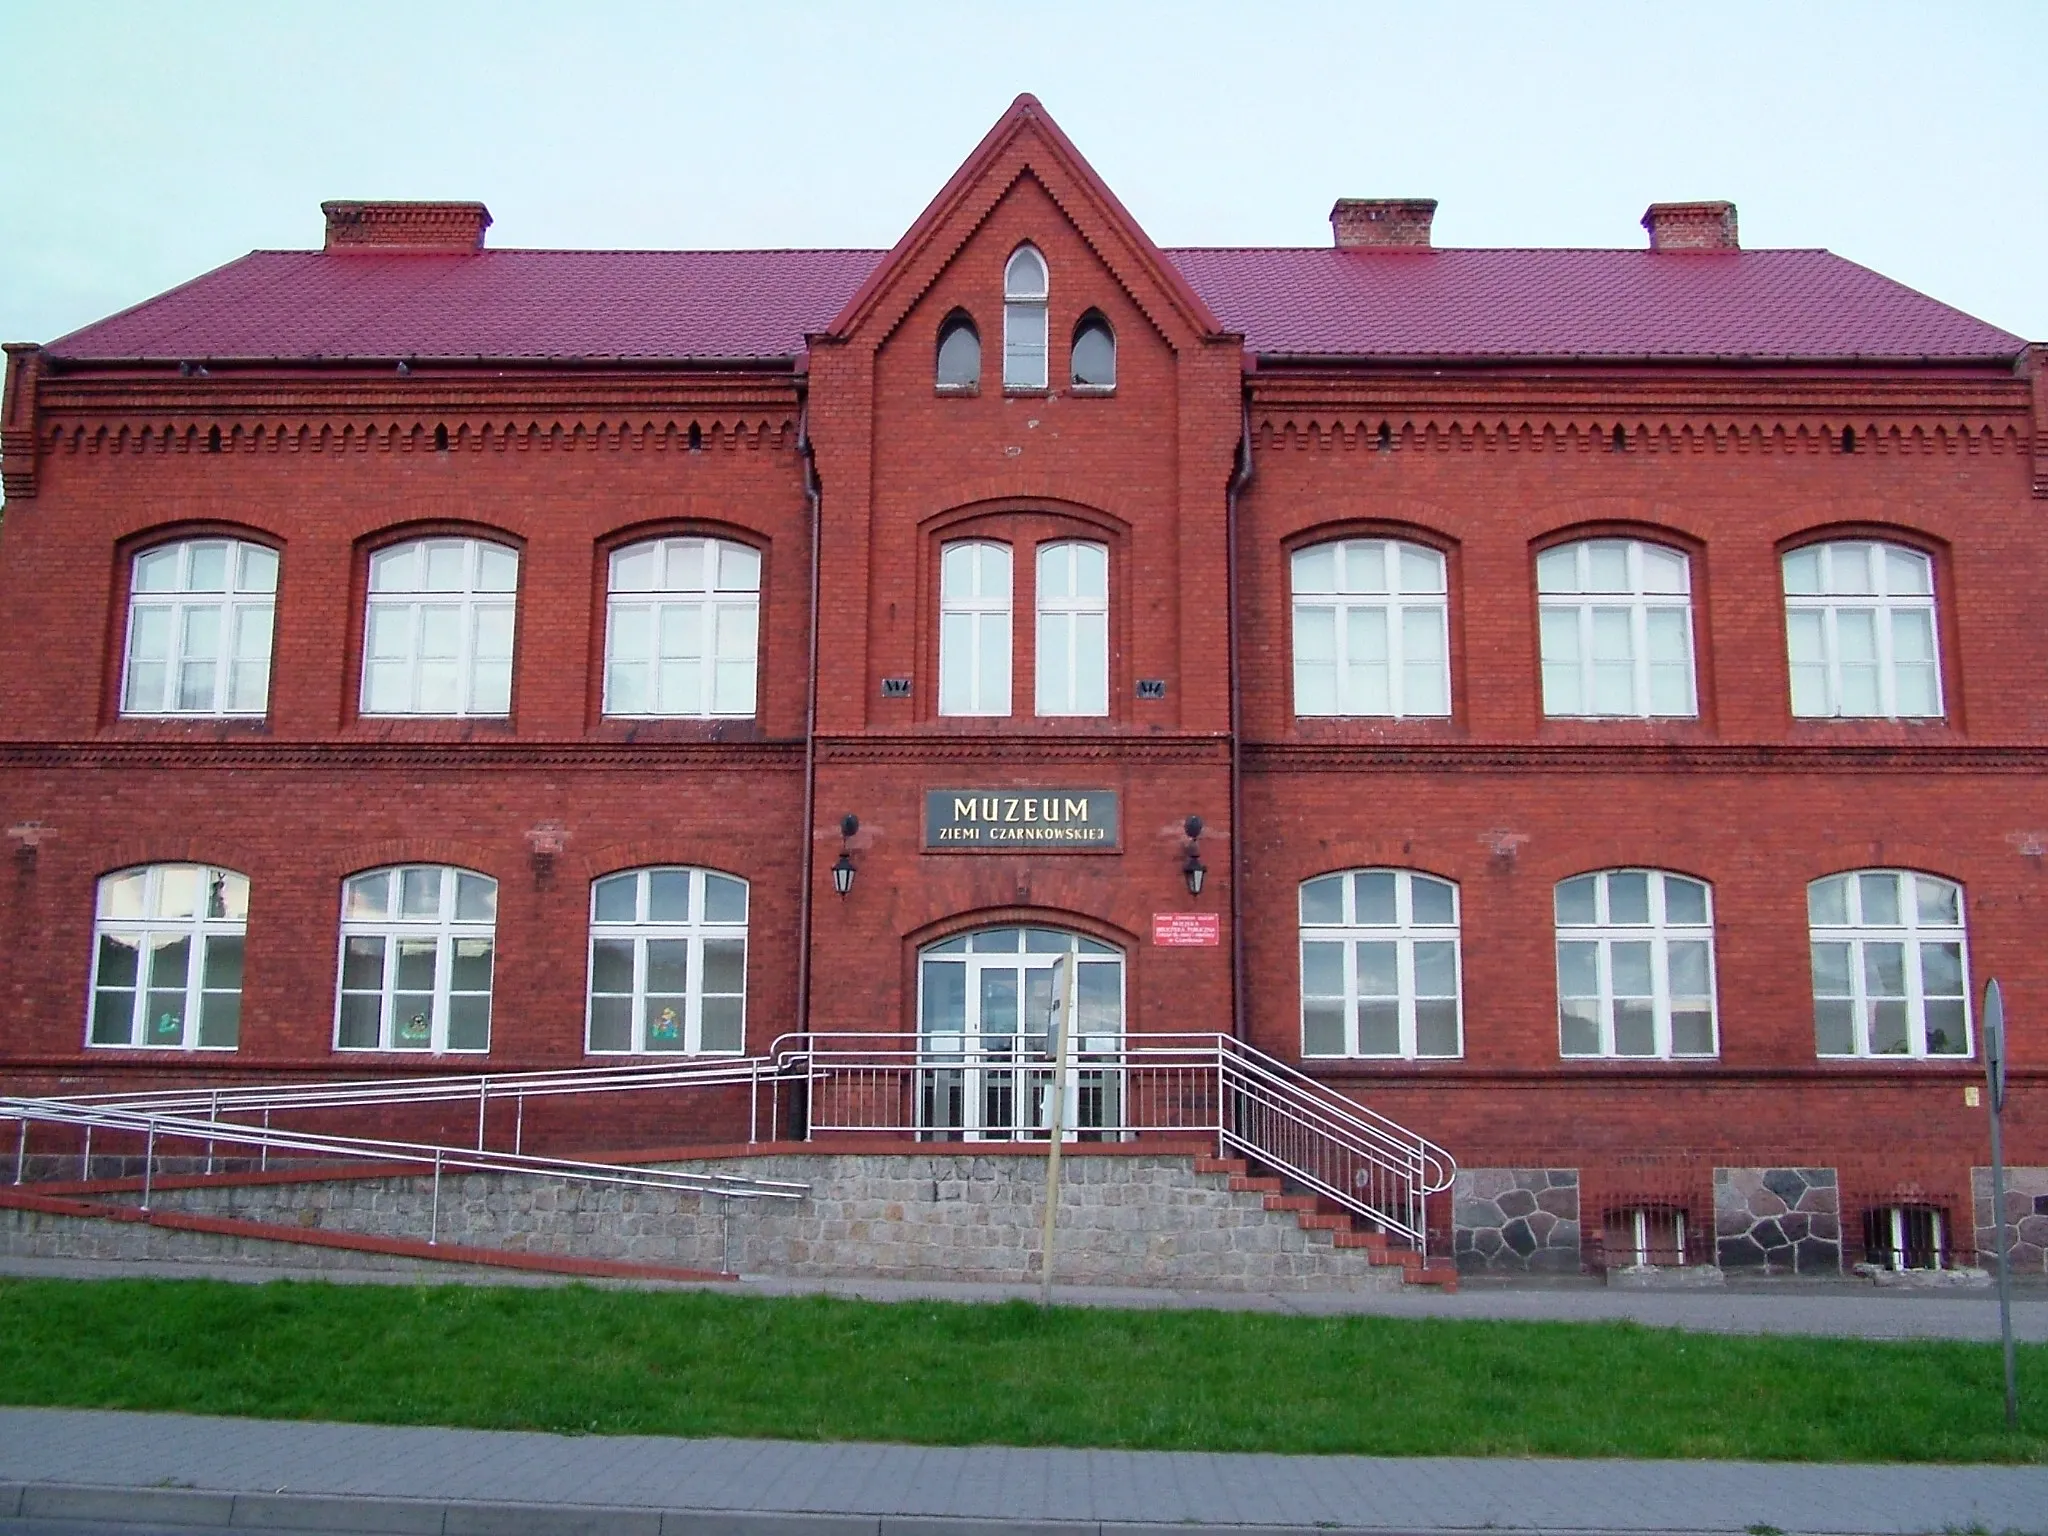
pixel 1055 685
pixel 1628 897
pixel 1578 970
pixel 1907 573
pixel 1579 1027
pixel 614 899
pixel 721 1029
pixel 415 969
pixel 396 569
pixel 1322 970
pixel 1024 346
pixel 493 632
pixel 119 962
pixel 1888 1029
pixel 1434 901
pixel 994 680
pixel 1422 570
pixel 1607 566
pixel 1563 692
pixel 611 1023
pixel 1939 902
pixel 1629 965
pixel 1827 902
pixel 1315 570
pixel 1373 898
pixel 1832 974
pixel 1315 668
pixel 1834 1027
pixel 445 560
pixel 1094 357
pixel 625 689
pixel 1805 634
pixel 220 1020
pixel 1576 901
pixel 476 899
pixel 1614 676
pixel 360 1019
pixel 1692 1030
pixel 611 966
pixel 387 689
pixel 668 895
pixel 497 568
pixel 177 891
pixel 470 969
pixel 959 357
pixel 1664 570
pixel 1024 277
pixel 668 966
pixel 1436 1027
pixel 1379 970
pixel 227 895
pixel 1849 569
pixel 1688 965
pixel 1322 1029
pixel 725 899
pixel 1802 572
pixel 944 1001
pixel 1685 901
pixel 725 966
pixel 636 568
pixel 362 964
pixel 1880 895
pixel 1091 664
pixel 1941 970
pixel 209 568
pixel 157 571
pixel 1425 679
pixel 1436 969
pixel 1368 682
pixel 222 970
pixel 1322 901
pixel 419 893
pixel 1557 570
pixel 1884 970
pixel 956 663
pixel 1856 635
pixel 469 1023
pixel 1635 1027
pixel 1379 1027
pixel 1947 1033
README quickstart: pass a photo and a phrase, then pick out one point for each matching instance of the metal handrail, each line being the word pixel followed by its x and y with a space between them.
pixel 157 1126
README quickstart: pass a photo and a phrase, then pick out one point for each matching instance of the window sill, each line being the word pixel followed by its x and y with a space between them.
pixel 956 391
pixel 1092 391
pixel 163 1050
pixel 1027 391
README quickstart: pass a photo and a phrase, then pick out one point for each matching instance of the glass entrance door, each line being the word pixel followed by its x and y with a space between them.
pixel 985 1048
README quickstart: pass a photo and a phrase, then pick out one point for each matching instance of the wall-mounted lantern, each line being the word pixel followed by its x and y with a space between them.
pixel 1191 864
pixel 842 872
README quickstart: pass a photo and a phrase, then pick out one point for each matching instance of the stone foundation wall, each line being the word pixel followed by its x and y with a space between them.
pixel 2026 1219
pixel 1124 1220
pixel 1516 1220
pixel 1778 1220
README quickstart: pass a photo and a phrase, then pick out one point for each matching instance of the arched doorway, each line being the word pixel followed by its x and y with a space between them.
pixel 985 1048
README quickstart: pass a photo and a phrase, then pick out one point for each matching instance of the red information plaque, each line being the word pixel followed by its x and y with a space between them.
pixel 1187 928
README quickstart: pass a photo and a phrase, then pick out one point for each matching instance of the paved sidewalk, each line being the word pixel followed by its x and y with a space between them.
pixel 70 1465
pixel 1842 1308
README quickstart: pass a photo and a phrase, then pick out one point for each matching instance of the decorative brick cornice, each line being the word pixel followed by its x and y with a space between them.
pixel 2037 371
pixel 18 421
pixel 464 756
pixel 1021 753
pixel 1404 428
pixel 1734 757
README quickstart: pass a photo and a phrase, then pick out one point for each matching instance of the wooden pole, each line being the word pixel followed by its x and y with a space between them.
pixel 1056 1098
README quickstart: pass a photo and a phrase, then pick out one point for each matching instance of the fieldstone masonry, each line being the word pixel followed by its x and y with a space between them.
pixel 1124 1220
pixel 2026 1219
pixel 1778 1220
pixel 1521 1220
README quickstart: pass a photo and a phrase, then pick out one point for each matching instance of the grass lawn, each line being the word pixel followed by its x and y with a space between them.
pixel 625 1362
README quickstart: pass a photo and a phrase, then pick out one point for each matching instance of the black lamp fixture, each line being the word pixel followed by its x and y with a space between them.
pixel 1191 864
pixel 842 872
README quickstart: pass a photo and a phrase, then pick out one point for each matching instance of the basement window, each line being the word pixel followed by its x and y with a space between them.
pixel 1646 1236
pixel 1901 1237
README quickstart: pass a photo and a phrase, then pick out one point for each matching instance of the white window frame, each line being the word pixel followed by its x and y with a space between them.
pixel 975 608
pixel 1405 932
pixel 725 599
pixel 1027 344
pixel 149 927
pixel 244 607
pixel 445 929
pixel 1357 564
pixel 645 1034
pixel 1578 603
pixel 482 682
pixel 1660 933
pixel 1073 692
pixel 1911 934
pixel 1887 609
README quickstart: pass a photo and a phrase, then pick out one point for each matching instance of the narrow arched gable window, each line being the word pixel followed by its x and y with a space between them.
pixel 959 364
pixel 1094 353
pixel 1025 290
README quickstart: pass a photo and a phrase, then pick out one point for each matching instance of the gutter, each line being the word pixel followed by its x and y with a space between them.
pixel 1241 476
pixel 814 494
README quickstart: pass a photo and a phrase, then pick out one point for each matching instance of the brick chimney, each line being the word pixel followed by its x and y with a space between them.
pixel 437 228
pixel 1363 223
pixel 1692 227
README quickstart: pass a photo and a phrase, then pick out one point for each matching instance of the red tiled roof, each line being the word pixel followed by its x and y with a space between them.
pixel 758 305
pixel 1591 304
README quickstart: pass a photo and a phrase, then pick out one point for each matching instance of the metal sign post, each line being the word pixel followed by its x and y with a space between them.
pixel 1994 1073
pixel 1056 1112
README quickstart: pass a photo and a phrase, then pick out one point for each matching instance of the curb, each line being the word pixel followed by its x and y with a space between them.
pixel 377 1515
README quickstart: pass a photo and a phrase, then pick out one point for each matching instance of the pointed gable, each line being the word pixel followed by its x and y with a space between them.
pixel 1026 142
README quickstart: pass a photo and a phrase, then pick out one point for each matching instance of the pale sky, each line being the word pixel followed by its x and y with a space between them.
pixel 144 143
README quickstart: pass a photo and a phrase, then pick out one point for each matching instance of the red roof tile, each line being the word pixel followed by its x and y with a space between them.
pixel 759 305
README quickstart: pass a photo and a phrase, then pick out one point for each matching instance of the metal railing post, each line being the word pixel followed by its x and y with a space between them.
pixel 148 1163
pixel 85 1160
pixel 754 1104
pixel 21 1151
pixel 483 1092
pixel 434 1216
pixel 213 1114
pixel 263 1152
pixel 519 1125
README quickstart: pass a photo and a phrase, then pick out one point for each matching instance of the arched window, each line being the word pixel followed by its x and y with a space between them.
pixel 417 950
pixel 1379 965
pixel 1094 353
pixel 1891 970
pixel 438 637
pixel 668 962
pixel 1073 629
pixel 1635 965
pixel 1370 628
pixel 1024 324
pixel 1617 629
pixel 959 352
pixel 1859 623
pixel 985 1009
pixel 199 622
pixel 974 628
pixel 167 958
pixel 681 623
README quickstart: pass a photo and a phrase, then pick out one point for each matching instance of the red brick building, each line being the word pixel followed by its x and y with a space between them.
pixel 1607 680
